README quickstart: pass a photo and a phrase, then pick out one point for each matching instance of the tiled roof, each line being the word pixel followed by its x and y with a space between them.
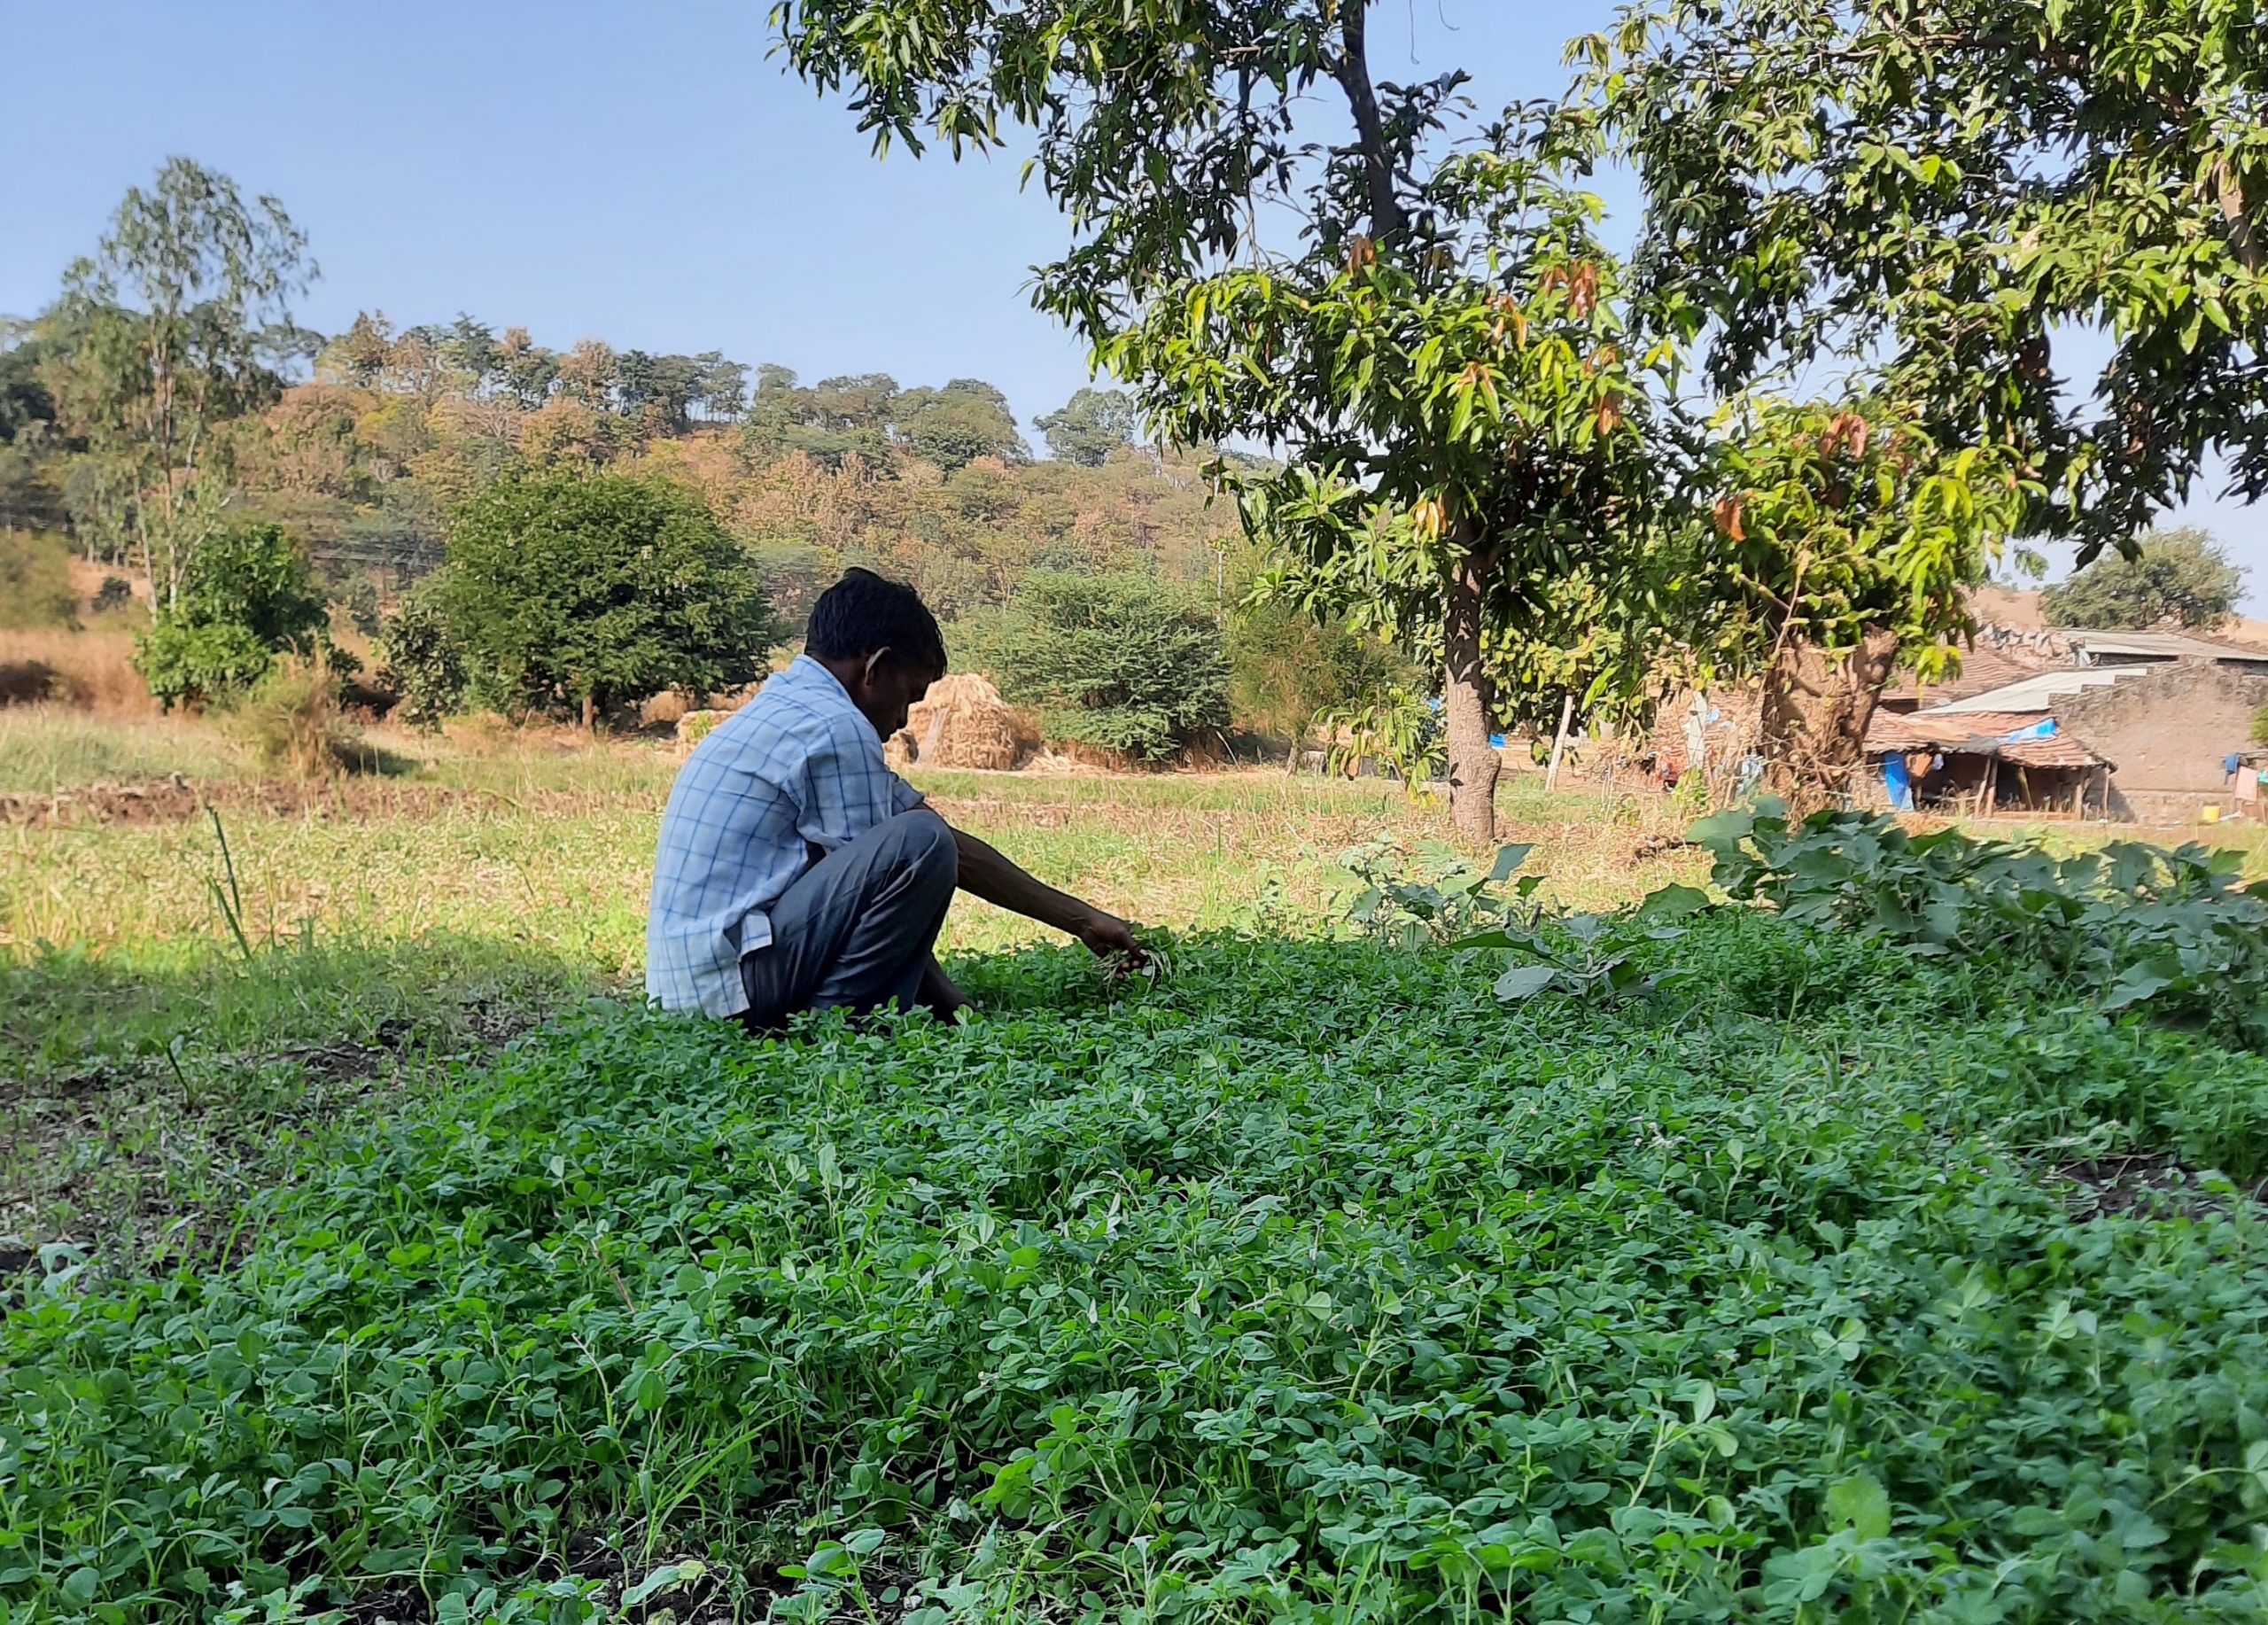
pixel 1976 733
pixel 1981 669
pixel 1889 731
pixel 2056 750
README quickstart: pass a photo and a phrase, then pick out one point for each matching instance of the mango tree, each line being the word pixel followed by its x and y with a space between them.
pixel 1471 435
pixel 1441 358
pixel 1950 188
pixel 1845 543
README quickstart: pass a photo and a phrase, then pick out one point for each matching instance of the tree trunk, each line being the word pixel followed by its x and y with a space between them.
pixel 1816 712
pixel 1559 740
pixel 590 712
pixel 1468 699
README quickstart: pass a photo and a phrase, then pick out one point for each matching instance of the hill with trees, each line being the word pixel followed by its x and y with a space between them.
pixel 169 388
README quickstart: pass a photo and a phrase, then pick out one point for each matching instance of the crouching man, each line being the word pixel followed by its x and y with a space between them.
pixel 796 871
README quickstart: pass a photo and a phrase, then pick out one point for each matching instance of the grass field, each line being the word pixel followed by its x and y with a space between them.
pixel 366 1253
pixel 287 950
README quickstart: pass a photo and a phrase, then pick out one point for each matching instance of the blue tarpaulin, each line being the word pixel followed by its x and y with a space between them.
pixel 1895 780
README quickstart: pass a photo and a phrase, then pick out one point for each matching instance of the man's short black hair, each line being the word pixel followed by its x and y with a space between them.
pixel 863 612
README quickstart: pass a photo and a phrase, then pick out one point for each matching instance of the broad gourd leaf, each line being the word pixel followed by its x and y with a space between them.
pixel 1722 828
pixel 1524 982
pixel 2139 982
pixel 1509 859
pixel 1673 902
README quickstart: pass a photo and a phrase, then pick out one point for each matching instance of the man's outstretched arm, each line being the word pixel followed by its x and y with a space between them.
pixel 985 873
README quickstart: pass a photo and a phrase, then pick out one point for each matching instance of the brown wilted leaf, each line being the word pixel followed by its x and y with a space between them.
pixel 1362 255
pixel 1509 316
pixel 1582 288
pixel 1728 519
pixel 1845 432
pixel 1610 413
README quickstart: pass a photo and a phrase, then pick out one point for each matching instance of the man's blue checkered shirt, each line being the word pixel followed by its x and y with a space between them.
pixel 796 767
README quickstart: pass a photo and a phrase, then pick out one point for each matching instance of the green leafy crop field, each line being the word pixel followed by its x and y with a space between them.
pixel 1823 1281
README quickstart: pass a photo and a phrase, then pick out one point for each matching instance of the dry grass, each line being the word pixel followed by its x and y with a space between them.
pixel 93 668
pixel 565 870
pixel 45 750
pixel 543 838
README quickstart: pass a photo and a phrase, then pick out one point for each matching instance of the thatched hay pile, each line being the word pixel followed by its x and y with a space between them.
pixel 963 722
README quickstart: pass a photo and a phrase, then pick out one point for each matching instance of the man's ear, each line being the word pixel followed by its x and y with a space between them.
pixel 874 664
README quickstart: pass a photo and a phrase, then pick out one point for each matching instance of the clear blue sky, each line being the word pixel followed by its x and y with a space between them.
pixel 645 175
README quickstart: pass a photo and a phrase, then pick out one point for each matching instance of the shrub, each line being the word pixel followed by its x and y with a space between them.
pixel 115 594
pixel 1285 666
pixel 29 682
pixel 255 575
pixel 246 595
pixel 420 661
pixel 594 590
pixel 1124 663
pixel 187 662
pixel 290 722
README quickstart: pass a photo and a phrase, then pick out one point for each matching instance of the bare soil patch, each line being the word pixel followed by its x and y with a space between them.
pixel 2144 1184
pixel 104 1142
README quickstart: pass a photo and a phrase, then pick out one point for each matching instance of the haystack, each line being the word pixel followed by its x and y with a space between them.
pixel 963 722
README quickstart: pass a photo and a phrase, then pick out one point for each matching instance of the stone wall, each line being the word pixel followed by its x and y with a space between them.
pixel 2166 734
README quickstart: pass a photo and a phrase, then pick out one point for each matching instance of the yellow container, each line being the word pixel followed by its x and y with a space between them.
pixel 2209 814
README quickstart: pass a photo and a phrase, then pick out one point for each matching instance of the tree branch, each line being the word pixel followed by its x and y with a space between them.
pixel 1353 72
pixel 2245 237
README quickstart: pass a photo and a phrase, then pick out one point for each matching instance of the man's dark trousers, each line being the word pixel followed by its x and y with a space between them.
pixel 857 930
